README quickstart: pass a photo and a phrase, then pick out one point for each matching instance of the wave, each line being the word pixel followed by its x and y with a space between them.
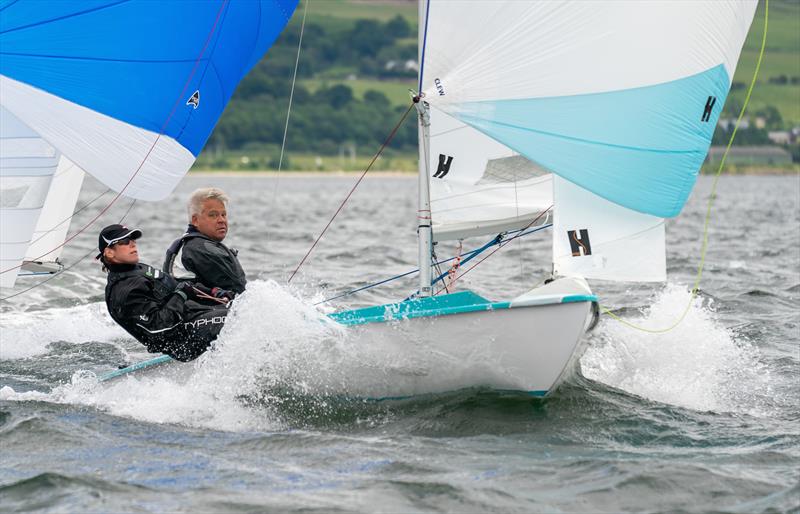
pixel 699 364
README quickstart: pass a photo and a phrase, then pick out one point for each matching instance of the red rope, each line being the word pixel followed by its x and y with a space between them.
pixel 147 155
pixel 341 206
pixel 526 227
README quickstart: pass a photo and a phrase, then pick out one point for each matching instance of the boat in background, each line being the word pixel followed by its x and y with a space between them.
pixel 594 117
pixel 128 92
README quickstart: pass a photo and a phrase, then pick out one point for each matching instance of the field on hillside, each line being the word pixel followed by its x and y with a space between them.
pixel 778 86
pixel 781 57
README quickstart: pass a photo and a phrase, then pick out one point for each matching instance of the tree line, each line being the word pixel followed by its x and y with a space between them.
pixel 329 117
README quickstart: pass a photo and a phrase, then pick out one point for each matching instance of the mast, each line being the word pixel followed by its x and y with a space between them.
pixel 424 204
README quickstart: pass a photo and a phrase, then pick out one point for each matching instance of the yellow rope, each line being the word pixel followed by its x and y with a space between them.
pixel 703 249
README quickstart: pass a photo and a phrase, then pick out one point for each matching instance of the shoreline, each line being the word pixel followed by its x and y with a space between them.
pixel 300 174
pixel 393 174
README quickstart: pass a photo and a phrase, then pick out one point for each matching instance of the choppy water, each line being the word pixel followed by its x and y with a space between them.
pixel 705 418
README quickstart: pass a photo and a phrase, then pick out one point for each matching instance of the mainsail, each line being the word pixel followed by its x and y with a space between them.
pixel 479 186
pixel 128 91
pixel 53 224
pixel 27 165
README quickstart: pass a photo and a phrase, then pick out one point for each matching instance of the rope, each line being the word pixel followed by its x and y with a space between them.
pixel 711 197
pixel 291 92
pixel 82 207
pixel 467 256
pixel 288 113
pixel 80 259
pixel 341 206
pixel 451 273
pixel 147 155
pixel 500 245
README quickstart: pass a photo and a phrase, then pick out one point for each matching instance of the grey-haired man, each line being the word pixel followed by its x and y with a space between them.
pixel 201 249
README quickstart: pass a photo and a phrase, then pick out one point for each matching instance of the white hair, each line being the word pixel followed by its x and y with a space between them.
pixel 196 199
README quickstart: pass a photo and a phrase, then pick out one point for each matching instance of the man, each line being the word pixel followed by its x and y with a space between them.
pixel 179 320
pixel 202 252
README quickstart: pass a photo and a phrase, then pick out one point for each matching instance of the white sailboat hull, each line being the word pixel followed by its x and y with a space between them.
pixel 528 345
pixel 529 349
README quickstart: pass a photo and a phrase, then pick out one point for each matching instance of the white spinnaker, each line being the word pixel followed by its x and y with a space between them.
pixel 479 186
pixel 54 221
pixel 112 151
pixel 512 49
pixel 597 239
pixel 27 165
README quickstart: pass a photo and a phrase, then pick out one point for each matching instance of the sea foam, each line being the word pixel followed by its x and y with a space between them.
pixel 699 364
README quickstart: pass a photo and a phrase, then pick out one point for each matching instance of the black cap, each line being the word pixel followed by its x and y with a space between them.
pixel 113 233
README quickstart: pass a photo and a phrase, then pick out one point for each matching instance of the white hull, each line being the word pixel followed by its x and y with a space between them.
pixel 527 349
pixel 529 345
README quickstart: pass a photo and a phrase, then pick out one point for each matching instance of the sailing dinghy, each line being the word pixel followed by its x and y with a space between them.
pixel 592 117
pixel 603 111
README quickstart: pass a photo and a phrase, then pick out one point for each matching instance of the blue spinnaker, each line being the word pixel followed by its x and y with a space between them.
pixel 116 74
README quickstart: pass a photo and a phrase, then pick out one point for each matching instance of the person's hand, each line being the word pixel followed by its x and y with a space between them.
pixel 223 294
pixel 187 291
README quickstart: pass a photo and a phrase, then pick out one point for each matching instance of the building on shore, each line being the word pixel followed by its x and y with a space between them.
pixel 750 155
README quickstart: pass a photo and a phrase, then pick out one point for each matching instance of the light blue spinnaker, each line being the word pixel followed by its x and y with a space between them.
pixel 641 148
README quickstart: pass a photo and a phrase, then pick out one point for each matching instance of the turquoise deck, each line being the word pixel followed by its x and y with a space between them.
pixel 454 303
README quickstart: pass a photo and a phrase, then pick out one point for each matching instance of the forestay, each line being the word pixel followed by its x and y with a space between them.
pixel 620 98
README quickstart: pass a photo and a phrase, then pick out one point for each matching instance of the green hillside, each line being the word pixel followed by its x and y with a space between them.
pixel 781 61
pixel 354 76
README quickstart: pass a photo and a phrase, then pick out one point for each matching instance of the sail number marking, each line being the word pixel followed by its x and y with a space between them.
pixel 709 106
pixel 579 245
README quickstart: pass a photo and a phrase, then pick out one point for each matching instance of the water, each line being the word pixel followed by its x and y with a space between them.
pixel 704 418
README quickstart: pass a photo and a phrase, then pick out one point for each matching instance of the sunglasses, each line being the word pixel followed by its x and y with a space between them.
pixel 124 242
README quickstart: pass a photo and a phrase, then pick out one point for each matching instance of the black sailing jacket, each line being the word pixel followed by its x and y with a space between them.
pixel 213 263
pixel 145 302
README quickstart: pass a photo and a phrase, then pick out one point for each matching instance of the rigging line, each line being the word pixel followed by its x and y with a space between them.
pixel 516 206
pixel 67 268
pixel 84 206
pixel 707 221
pixel 467 256
pixel 178 100
pixel 502 244
pixel 341 206
pixel 289 109
pixel 470 253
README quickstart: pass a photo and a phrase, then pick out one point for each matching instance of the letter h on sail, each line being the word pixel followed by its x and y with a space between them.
pixel 579 245
pixel 444 166
pixel 709 106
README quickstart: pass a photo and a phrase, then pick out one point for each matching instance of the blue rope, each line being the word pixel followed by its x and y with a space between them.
pixel 469 256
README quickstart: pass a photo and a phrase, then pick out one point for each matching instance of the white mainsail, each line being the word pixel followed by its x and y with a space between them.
pixel 597 239
pixel 479 186
pixel 54 221
pixel 27 165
